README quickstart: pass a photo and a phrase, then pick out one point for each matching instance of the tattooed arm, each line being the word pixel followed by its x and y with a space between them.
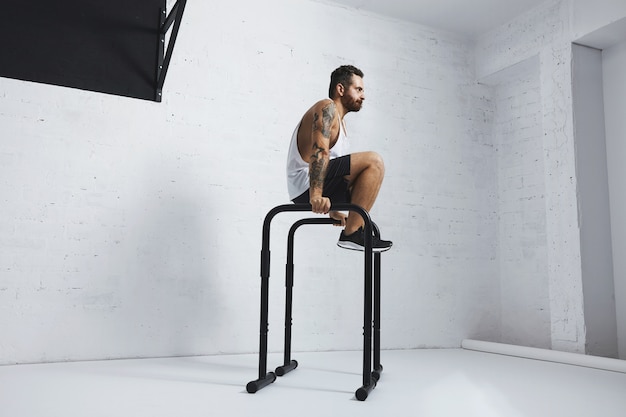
pixel 324 119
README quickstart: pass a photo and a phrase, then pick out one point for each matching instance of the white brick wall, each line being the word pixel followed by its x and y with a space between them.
pixel 545 32
pixel 523 37
pixel 522 246
pixel 130 228
pixel 133 228
pixel 614 60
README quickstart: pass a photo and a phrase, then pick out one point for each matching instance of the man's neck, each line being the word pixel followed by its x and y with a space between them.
pixel 340 108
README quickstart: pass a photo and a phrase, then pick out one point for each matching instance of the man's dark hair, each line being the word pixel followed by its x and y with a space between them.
pixel 342 75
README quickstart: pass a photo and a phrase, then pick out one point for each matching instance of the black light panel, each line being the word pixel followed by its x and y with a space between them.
pixel 108 46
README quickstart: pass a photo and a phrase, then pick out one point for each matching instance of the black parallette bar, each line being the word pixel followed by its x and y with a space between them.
pixel 377 290
pixel 376 373
pixel 284 369
pixel 369 378
pixel 265 262
pixel 264 327
pixel 254 386
pixel 289 267
pixel 362 393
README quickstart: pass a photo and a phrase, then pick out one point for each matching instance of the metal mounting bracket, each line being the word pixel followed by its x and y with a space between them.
pixel 164 58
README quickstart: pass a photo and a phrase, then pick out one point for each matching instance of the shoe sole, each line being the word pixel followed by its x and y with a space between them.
pixel 354 246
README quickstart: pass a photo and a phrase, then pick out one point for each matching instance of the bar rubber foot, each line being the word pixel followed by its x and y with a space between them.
pixel 362 393
pixel 376 373
pixel 254 386
pixel 284 369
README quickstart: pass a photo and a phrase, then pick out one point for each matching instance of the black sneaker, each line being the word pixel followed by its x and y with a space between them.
pixel 356 241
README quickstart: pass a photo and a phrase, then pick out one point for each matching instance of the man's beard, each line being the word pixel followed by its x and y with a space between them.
pixel 354 105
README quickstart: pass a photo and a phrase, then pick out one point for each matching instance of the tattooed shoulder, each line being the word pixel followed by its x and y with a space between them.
pixel 328 116
pixel 323 120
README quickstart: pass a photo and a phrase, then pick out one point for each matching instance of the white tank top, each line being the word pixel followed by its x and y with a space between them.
pixel 298 169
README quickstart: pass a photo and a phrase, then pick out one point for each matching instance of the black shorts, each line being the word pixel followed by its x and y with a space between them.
pixel 335 185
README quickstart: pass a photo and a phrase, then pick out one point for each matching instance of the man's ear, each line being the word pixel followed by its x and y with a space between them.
pixel 340 89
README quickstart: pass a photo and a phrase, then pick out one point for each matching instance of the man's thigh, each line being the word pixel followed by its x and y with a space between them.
pixel 359 161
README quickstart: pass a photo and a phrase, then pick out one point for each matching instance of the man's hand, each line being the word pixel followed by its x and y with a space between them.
pixel 320 205
pixel 339 216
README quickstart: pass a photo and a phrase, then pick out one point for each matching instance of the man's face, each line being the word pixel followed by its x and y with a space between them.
pixel 354 94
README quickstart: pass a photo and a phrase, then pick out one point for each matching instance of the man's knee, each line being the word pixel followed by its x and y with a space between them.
pixel 376 162
pixel 368 161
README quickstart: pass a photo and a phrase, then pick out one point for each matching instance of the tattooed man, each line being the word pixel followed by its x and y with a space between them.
pixel 320 171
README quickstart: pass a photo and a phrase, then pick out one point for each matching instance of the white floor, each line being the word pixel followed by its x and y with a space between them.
pixel 429 383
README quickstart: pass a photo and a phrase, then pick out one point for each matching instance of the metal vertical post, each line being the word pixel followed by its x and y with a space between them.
pixel 289 364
